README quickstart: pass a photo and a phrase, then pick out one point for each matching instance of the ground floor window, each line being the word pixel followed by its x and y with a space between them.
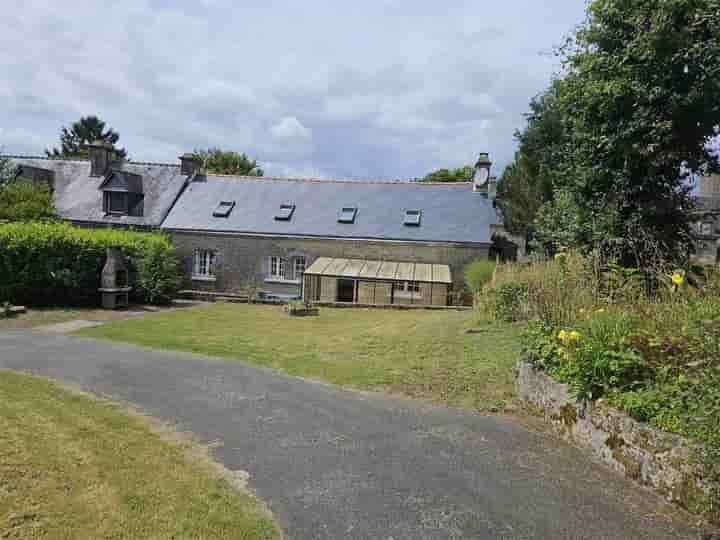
pixel 286 269
pixel 277 268
pixel 204 264
pixel 298 267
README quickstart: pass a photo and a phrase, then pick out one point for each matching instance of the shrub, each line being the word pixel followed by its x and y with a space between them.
pixel 511 302
pixel 158 275
pixel 646 340
pixel 479 273
pixel 23 200
pixel 57 263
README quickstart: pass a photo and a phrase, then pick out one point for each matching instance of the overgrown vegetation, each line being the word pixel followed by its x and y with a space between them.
pixel 478 274
pixel 73 466
pixel 24 200
pixel 645 340
pixel 59 264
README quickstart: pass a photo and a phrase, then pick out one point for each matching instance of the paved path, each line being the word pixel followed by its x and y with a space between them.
pixel 337 464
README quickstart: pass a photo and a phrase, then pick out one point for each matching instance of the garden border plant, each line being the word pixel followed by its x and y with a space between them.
pixel 645 341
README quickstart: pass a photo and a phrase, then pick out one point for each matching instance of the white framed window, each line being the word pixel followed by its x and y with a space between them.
pixel 277 268
pixel 204 265
pixel 298 267
pixel 706 228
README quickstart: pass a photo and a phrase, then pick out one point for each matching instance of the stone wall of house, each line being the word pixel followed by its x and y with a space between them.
pixel 663 461
pixel 244 259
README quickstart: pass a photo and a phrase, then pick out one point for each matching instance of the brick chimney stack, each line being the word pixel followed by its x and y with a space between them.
pixel 710 186
pixel 190 164
pixel 101 156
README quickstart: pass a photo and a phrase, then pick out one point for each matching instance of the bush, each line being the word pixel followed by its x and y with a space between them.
pixel 23 200
pixel 59 264
pixel 647 341
pixel 479 273
pixel 511 302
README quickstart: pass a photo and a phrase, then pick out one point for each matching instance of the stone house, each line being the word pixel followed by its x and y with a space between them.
pixel 388 241
pixel 235 232
pixel 100 191
pixel 707 220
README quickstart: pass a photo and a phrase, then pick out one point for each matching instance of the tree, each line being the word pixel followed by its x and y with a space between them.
pixel 640 102
pixel 7 170
pixel 460 174
pixel 228 162
pixel 529 180
pixel 75 140
pixel 24 200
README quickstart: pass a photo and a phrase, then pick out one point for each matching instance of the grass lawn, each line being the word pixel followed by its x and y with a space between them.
pixel 418 353
pixel 74 466
pixel 44 316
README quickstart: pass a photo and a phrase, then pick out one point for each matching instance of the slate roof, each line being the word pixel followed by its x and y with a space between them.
pixel 78 197
pixel 450 212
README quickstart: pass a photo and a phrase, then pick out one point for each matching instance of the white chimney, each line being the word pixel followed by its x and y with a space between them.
pixel 481 177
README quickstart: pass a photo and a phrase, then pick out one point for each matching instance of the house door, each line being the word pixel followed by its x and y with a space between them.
pixel 345 290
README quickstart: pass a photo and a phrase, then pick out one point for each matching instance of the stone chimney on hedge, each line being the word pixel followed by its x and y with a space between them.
pixel 190 163
pixel 101 155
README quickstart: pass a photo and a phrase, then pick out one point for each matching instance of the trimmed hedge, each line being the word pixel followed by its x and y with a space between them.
pixel 59 264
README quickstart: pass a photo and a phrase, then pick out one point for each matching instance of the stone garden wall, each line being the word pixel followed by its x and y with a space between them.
pixel 653 458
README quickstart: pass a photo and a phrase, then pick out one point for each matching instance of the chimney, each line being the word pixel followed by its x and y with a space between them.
pixel 710 186
pixel 492 188
pixel 101 154
pixel 481 177
pixel 190 164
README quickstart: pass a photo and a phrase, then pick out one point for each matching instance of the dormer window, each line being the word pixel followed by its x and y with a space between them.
pixel 123 194
pixel 412 218
pixel 285 212
pixel 347 214
pixel 224 208
pixel 116 202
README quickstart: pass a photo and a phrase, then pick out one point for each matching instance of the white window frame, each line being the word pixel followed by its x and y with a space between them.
pixel 706 228
pixel 298 267
pixel 276 268
pixel 204 265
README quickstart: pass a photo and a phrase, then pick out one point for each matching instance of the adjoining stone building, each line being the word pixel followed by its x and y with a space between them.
pixel 707 220
pixel 102 191
pixel 235 233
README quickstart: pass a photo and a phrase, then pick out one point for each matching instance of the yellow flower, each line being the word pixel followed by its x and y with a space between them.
pixel 677 278
pixel 563 335
pixel 574 335
pixel 601 310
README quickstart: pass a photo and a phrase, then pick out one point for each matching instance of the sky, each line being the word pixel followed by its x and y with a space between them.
pixel 333 88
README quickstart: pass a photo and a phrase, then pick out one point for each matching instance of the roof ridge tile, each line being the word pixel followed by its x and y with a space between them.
pixel 337 180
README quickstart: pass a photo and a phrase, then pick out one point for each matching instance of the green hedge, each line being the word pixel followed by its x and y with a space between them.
pixel 59 264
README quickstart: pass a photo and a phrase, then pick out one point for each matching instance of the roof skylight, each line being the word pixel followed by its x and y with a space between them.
pixel 224 208
pixel 285 212
pixel 412 217
pixel 347 214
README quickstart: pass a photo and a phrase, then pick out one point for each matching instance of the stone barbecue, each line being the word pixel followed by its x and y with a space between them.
pixel 114 287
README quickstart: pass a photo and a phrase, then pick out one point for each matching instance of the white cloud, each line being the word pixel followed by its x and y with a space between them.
pixel 390 88
pixel 290 128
